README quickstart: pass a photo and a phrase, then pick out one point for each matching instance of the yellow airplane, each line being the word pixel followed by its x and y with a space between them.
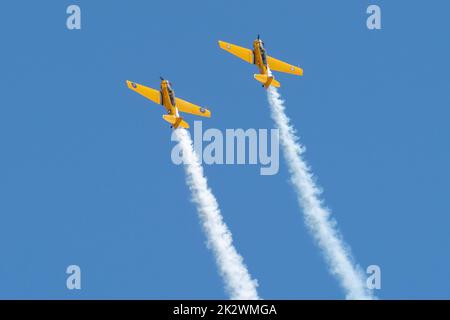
pixel 264 62
pixel 166 97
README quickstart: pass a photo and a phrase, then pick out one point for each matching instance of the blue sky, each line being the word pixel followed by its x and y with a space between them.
pixel 86 174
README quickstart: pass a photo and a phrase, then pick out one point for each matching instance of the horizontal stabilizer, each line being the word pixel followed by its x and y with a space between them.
pixel 176 121
pixel 266 80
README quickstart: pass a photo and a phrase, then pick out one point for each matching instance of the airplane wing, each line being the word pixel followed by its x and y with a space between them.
pixel 243 53
pixel 147 92
pixel 278 65
pixel 191 108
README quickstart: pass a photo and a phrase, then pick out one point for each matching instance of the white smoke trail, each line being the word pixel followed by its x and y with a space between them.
pixel 317 217
pixel 231 266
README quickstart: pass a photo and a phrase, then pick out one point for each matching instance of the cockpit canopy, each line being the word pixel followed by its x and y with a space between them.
pixel 263 52
pixel 171 93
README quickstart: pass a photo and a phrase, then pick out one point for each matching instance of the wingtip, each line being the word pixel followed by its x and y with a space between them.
pixel 132 85
pixel 207 114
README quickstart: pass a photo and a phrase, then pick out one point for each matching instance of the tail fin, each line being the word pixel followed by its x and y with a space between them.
pixel 176 121
pixel 267 80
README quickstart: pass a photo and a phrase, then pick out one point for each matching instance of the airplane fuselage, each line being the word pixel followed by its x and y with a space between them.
pixel 260 60
pixel 168 98
pixel 259 54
